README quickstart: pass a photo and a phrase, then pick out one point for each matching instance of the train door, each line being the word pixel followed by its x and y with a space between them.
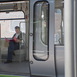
pixel 41 38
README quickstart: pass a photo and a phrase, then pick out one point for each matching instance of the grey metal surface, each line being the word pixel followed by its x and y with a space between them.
pixel 59 53
pixel 69 37
pixel 43 67
pixel 75 37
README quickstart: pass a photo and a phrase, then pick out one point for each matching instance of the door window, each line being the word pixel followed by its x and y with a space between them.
pixel 40 34
pixel 59 28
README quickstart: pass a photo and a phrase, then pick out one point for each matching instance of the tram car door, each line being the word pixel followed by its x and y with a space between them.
pixel 41 38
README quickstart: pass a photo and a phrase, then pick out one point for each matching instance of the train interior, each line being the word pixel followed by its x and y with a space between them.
pixel 17 14
pixel 14 14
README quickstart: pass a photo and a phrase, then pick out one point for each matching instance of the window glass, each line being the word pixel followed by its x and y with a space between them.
pixel 44 29
pixel 59 28
pixel 14 23
pixel 8 27
pixel 40 32
pixel 23 27
pixel 11 15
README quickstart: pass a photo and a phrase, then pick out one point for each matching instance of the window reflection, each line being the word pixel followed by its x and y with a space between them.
pixel 44 31
pixel 59 28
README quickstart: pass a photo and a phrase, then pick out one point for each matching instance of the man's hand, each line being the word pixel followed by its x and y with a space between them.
pixel 17 40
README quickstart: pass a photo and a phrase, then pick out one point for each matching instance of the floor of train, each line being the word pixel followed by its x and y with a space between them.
pixel 21 68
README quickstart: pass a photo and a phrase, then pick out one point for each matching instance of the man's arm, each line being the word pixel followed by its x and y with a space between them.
pixel 19 39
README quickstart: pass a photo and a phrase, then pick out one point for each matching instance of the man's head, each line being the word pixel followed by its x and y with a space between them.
pixel 17 29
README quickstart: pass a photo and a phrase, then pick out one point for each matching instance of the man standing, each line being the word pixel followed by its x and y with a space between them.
pixel 14 44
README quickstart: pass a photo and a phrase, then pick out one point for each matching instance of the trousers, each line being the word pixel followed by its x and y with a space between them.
pixel 12 46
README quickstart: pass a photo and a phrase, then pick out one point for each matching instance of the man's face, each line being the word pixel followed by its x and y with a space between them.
pixel 17 30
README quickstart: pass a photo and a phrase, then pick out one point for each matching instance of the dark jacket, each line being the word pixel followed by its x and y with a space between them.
pixel 19 37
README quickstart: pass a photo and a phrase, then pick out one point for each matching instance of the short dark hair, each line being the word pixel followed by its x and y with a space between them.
pixel 17 27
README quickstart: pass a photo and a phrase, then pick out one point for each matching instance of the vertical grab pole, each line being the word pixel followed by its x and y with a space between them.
pixel 75 36
pixel 69 37
pixel 0 43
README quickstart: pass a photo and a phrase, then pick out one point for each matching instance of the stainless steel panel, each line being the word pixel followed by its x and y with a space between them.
pixel 69 37
pixel 59 53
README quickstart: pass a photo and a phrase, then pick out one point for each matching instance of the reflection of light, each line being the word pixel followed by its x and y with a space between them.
pixel 62 24
pixel 42 16
pixel 44 23
pixel 59 30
